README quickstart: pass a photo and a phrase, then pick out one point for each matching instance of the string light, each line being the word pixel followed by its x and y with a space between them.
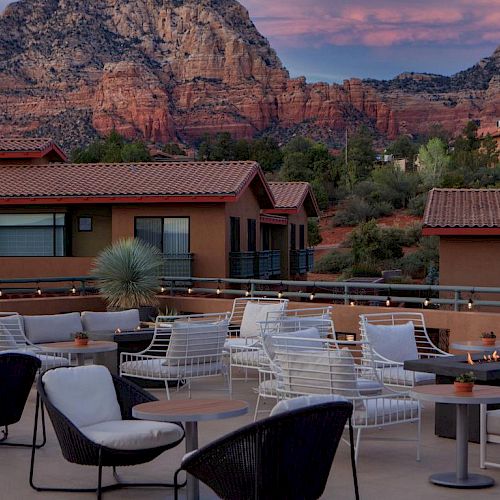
pixel 470 304
pixel 162 289
pixel 388 301
pixel 218 288
pixel 427 302
pixel 73 289
pixel 280 293
pixel 190 290
pixel 352 303
pixel 38 290
pixel 1 293
pixel 311 297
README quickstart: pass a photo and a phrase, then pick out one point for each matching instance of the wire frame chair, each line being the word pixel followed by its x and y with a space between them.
pixel 392 370
pixel 13 338
pixel 306 366
pixel 287 456
pixel 17 374
pixel 79 449
pixel 182 348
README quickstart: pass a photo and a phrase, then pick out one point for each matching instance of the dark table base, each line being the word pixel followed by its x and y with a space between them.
pixel 473 481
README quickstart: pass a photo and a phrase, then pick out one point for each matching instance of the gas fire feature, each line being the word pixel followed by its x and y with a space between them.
pixel 487 358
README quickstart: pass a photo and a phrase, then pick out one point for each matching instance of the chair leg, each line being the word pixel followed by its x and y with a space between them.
pixel 167 389
pixel 353 460
pixel 99 475
pixel 5 434
pixel 356 449
pixel 419 433
pixel 256 408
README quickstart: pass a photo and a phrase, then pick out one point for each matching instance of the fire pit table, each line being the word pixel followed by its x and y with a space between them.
pixel 446 369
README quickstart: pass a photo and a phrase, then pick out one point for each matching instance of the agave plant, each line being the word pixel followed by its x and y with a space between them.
pixel 127 273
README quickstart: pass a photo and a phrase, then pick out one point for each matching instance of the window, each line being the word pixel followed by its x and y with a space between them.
pixel 169 234
pixel 234 233
pixel 85 224
pixel 293 237
pixel 32 235
pixel 252 235
pixel 302 237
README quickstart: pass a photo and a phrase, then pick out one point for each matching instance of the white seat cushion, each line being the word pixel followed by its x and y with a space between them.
pixel 368 387
pixel 110 321
pixel 157 369
pixel 268 387
pixel 133 434
pixel 303 402
pixel 84 394
pixel 397 375
pixel 52 327
pixel 254 313
pixel 239 342
pixel 378 411
pixel 253 358
pixel 393 342
pixel 493 422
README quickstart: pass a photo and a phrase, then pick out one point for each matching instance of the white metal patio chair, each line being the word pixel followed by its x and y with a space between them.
pixel 182 348
pixel 489 432
pixel 13 338
pixel 308 366
pixel 292 322
pixel 395 338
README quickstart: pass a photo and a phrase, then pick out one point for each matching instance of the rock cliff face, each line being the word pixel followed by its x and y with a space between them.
pixel 168 69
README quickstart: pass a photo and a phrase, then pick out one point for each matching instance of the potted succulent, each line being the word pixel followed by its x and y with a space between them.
pixel 488 338
pixel 464 382
pixel 81 338
pixel 127 274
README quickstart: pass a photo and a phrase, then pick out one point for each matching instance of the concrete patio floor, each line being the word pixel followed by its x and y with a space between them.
pixel 387 469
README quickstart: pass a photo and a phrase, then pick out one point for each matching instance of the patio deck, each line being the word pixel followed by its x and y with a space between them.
pixel 386 469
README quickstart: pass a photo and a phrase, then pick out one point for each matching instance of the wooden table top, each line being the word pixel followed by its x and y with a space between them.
pixel 445 393
pixel 93 346
pixel 190 410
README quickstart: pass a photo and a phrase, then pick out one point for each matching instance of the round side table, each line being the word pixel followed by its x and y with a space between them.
pixel 93 347
pixel 445 393
pixel 190 411
pixel 473 346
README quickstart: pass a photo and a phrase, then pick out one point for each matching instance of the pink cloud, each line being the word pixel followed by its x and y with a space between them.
pixel 382 23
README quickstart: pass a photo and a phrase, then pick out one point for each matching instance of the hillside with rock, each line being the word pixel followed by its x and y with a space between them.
pixel 176 69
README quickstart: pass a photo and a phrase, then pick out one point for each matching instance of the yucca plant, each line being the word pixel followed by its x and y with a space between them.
pixel 127 272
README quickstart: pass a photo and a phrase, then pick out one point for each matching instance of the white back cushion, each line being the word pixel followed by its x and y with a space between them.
pixel 196 342
pixel 394 342
pixel 299 340
pixel 109 321
pixel 304 402
pixel 255 312
pixel 52 327
pixel 84 394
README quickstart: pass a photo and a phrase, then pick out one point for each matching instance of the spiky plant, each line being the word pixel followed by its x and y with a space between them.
pixel 127 273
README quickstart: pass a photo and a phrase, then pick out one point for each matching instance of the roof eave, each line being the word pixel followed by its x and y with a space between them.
pixel 461 231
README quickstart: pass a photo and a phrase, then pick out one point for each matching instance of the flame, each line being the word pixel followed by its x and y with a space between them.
pixel 118 330
pixel 469 359
pixel 495 356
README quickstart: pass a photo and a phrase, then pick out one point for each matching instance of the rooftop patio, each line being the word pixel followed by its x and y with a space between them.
pixel 386 468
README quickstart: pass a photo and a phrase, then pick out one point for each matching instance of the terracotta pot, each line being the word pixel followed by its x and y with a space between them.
pixel 488 341
pixel 81 342
pixel 463 386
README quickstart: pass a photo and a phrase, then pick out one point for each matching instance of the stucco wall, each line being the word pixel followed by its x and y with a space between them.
pixel 207 231
pixel 89 244
pixel 298 219
pixel 43 267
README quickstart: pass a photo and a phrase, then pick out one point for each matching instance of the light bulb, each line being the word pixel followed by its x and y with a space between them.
pixel 1 293
pixel 190 290
pixel 427 302
pixel 39 291
pixel 280 294
pixel 352 303
pixel 218 290
pixel 470 304
pixel 162 289
pixel 311 297
pixel 388 301
pixel 247 293
pixel 73 289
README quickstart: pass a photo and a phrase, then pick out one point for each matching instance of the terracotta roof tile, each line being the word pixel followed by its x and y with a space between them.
pixel 24 144
pixel 289 194
pixel 463 208
pixel 126 179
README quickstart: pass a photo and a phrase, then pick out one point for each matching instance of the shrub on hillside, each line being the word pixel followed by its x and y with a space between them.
pixel 333 262
pixel 356 210
pixel 416 205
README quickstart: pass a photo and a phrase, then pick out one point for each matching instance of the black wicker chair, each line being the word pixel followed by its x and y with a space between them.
pixel 17 373
pixel 286 456
pixel 78 449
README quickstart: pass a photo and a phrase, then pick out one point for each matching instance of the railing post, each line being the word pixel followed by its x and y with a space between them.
pixel 456 303
pixel 346 295
pixel 83 287
pixel 252 288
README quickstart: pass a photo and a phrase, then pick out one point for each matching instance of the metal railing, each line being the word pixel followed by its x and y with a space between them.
pixel 457 297
pixel 260 265
pixel 301 261
pixel 178 264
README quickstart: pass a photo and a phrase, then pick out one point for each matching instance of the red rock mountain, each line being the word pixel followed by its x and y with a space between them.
pixel 175 69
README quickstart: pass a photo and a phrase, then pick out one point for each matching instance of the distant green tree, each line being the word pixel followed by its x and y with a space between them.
pixel 267 153
pixel 296 167
pixel 394 186
pixel 111 149
pixel 313 233
pixel 490 151
pixel 172 148
pixel 434 161
pixel 403 147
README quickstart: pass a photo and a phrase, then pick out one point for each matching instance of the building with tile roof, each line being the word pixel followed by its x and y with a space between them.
pixel 208 218
pixel 467 222
pixel 26 150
